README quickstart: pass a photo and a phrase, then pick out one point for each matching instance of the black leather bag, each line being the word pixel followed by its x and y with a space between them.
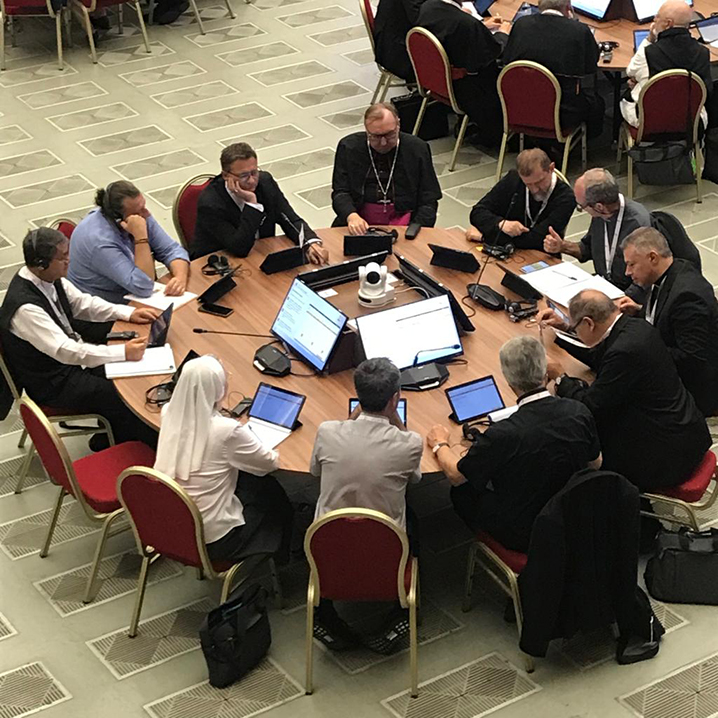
pixel 236 636
pixel 669 163
pixel 685 567
pixel 436 118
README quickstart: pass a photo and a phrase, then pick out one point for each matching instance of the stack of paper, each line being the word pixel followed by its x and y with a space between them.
pixel 159 300
pixel 158 360
pixel 562 282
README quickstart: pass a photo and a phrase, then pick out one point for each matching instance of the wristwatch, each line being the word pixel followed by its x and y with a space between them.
pixel 557 381
pixel 436 447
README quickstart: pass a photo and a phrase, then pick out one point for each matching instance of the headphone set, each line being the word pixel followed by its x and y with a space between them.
pixel 381 232
pixel 216 264
pixel 41 262
pixel 521 309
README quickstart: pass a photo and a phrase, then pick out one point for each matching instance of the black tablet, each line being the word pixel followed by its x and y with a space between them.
pixel 474 399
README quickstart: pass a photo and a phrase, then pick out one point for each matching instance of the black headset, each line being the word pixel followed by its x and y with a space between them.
pixel 520 305
pixel 35 261
pixel 216 264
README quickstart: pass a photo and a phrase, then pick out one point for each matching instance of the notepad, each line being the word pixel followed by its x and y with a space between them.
pixel 159 300
pixel 158 360
pixel 562 282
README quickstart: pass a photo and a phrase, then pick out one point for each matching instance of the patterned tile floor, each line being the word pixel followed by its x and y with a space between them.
pixel 290 77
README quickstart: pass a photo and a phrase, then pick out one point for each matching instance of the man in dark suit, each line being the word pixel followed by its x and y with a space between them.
pixel 243 204
pixel 650 429
pixel 682 305
pixel 472 49
pixel 524 204
pixel 555 40
pixel 394 18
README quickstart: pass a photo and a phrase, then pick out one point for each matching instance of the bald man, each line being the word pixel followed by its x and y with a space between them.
pixel 613 217
pixel 649 427
pixel 669 46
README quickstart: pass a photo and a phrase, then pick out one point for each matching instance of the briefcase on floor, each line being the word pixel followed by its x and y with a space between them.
pixel 436 118
pixel 684 568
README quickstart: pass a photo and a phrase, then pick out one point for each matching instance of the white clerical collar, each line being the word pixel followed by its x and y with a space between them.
pixel 608 331
pixel 533 396
pixel 552 12
pixel 46 287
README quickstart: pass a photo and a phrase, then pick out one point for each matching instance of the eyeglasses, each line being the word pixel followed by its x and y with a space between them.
pixel 245 175
pixel 572 329
pixel 386 136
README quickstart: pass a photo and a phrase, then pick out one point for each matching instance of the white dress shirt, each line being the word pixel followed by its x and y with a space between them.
pixel 231 446
pixel 36 326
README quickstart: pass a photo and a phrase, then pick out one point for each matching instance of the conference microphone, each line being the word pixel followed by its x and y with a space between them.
pixel 294 227
pixel 199 330
pixel 435 349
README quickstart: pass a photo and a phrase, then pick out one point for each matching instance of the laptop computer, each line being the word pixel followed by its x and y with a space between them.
pixel 639 36
pixel 273 414
pixel 160 328
pixel 708 30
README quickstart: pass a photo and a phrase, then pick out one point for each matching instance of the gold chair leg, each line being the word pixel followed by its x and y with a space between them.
pixel 229 9
pixel 141 22
pixel 566 153
pixel 197 16
pixel 141 586
pixel 53 522
pixel 24 469
pixel 99 551
pixel 23 436
pixel 518 610
pixel 379 87
pixel 420 116
pixel 469 582
pixel 308 684
pixel 387 86
pixel 413 599
pixel 629 173
pixel 459 140
pixel 88 31
pixel 502 154
pixel 699 170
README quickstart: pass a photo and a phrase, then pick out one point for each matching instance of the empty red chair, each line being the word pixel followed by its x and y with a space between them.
pixel 10 9
pixel 66 226
pixel 184 210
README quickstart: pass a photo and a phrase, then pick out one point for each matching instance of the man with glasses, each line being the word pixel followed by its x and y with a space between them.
pixel 243 204
pixel 383 176
pixel 613 217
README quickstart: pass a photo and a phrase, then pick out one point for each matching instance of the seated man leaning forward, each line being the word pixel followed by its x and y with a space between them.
pixel 367 462
pixel 115 247
pixel 523 205
pixel 383 176
pixel 243 204
pixel 46 355
pixel 501 484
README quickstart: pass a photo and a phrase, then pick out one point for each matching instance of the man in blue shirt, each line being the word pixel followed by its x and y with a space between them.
pixel 114 248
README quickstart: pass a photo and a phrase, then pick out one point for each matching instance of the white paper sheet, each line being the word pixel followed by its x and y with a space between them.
pixel 158 360
pixel 562 282
pixel 159 300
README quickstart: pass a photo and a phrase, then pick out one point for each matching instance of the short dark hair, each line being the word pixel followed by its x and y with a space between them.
pixel 40 246
pixel 376 381
pixel 237 151
pixel 111 198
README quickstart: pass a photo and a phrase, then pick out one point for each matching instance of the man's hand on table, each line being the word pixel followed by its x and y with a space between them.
pixel 437 435
pixel 135 349
pixel 356 224
pixel 473 235
pixel 316 254
pixel 144 315
pixel 628 306
pixel 512 227
pixel 175 287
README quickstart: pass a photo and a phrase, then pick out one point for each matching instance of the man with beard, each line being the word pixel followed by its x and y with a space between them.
pixel 524 204
pixel 383 176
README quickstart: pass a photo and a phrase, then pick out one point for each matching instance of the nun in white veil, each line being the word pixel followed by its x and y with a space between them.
pixel 223 467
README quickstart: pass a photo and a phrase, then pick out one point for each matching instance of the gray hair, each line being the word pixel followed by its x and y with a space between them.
pixel 593 304
pixel 601 187
pixel 376 381
pixel 40 246
pixel 560 5
pixel 646 239
pixel 523 363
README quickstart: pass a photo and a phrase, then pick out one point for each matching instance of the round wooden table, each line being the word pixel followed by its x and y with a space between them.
pixel 257 299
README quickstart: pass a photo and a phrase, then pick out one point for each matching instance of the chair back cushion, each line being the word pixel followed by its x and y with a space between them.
pixel 66 226
pixel 430 63
pixel 47 443
pixel 368 15
pixel 528 97
pixel 185 209
pixel 162 516
pixel 357 559
pixel 669 105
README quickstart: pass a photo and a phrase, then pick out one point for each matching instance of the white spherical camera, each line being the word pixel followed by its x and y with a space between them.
pixel 374 290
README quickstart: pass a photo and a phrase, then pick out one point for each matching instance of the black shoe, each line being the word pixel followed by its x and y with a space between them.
pixel 165 17
pixel 635 649
pixel 389 640
pixel 333 632
pixel 99 442
pixel 509 612
pixel 100 23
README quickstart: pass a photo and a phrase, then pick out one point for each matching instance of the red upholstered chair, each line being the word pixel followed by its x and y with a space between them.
pixel 360 555
pixel 434 75
pixel 690 496
pixel 85 7
pixel 166 522
pixel 386 78
pixel 90 480
pixel 669 108
pixel 55 416
pixel 504 566
pixel 530 99
pixel 10 9
pixel 184 210
pixel 66 226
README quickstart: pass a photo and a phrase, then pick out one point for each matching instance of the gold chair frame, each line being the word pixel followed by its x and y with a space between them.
pixel 426 94
pixel 568 141
pixel 625 139
pixel 150 555
pixel 408 600
pixel 197 179
pixel 84 14
pixel 102 428
pixel 106 519
pixel 386 78
pixel 58 16
pixel 503 576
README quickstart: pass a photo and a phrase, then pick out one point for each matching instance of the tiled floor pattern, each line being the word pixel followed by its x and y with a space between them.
pixel 290 77
pixel 9 470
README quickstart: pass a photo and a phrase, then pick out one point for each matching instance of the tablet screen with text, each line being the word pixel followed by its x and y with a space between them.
pixel 277 406
pixel 474 399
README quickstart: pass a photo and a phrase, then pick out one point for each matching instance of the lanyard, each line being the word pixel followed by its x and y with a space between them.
pixel 543 204
pixel 610 249
pixel 652 303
